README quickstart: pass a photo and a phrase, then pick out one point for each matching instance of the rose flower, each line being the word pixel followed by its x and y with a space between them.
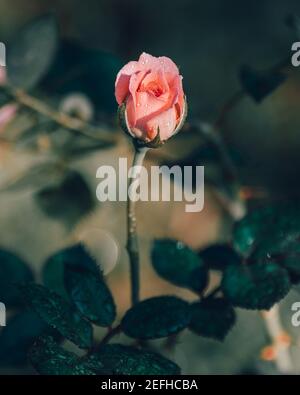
pixel 151 98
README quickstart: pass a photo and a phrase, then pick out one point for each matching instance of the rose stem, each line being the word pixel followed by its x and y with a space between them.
pixel 132 240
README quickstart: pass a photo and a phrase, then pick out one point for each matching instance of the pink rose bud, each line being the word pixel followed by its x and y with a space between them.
pixel 152 105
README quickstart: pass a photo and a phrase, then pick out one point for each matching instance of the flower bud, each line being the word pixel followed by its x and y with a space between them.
pixel 152 105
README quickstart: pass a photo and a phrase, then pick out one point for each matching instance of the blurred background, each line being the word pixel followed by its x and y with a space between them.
pixel 42 211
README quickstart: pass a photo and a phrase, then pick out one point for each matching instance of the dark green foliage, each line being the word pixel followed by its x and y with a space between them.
pixel 261 223
pixel 12 270
pixel 31 53
pixel 293 21
pixel 282 249
pixel 53 274
pixel 69 200
pixel 18 335
pixel 90 294
pixel 260 84
pixel 219 256
pixel 48 358
pixel 119 359
pixel 255 286
pixel 178 264
pixel 156 317
pixel 89 71
pixel 53 270
pixel 58 313
pixel 212 318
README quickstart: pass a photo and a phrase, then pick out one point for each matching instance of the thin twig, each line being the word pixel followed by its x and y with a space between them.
pixel 132 240
pixel 110 334
pixel 214 292
pixel 65 120
pixel 227 107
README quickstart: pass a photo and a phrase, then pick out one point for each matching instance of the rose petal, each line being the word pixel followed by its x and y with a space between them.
pixel 122 80
pixel 122 88
pixel 156 80
pixel 134 83
pixel 165 121
pixel 148 62
pixel 167 65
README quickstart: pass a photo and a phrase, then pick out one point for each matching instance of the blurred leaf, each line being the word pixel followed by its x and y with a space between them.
pixel 262 221
pixel 48 358
pixel 282 249
pixel 58 313
pixel 90 294
pixel 31 53
pixel 35 177
pixel 219 256
pixel 17 337
pixel 293 21
pixel 178 264
pixel 256 286
pixel 53 270
pixel 4 98
pixel 29 136
pixel 212 318
pixel 70 200
pixel 124 360
pixel 12 270
pixel 80 149
pixel 88 71
pixel 156 317
pixel 260 84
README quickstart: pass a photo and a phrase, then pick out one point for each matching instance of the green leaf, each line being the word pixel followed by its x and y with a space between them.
pixel 119 359
pixel 219 256
pixel 18 335
pixel 156 317
pixel 262 221
pixel 48 358
pixel 53 270
pixel 177 263
pixel 31 53
pixel 12 270
pixel 69 201
pixel 91 72
pixel 90 294
pixel 260 84
pixel 255 286
pixel 212 318
pixel 284 249
pixel 58 313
